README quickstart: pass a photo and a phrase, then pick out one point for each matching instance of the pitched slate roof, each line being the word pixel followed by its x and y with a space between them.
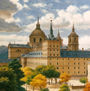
pixel 75 54
pixel 33 54
pixel 19 45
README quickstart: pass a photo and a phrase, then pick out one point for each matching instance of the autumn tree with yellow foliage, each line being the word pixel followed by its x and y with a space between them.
pixel 27 73
pixel 64 77
pixel 39 81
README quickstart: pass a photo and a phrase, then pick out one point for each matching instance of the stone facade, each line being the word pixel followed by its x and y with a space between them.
pixel 43 50
pixel 89 71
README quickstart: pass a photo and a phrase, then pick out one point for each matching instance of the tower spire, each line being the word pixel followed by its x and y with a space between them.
pixel 51 30
pixel 51 36
pixel 38 25
pixel 38 20
pixel 58 35
pixel 73 29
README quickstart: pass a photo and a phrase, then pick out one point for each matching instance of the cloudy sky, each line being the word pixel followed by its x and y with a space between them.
pixel 18 19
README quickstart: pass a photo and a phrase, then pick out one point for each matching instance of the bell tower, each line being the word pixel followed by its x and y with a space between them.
pixel 73 44
pixel 37 37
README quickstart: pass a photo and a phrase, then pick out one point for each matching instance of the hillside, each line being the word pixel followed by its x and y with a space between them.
pixel 3 52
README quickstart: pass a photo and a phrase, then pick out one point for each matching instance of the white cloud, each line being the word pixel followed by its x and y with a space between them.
pixel 72 9
pixel 65 19
pixel 7 21
pixel 12 19
pixel 82 21
pixel 39 5
pixel 16 2
pixel 84 7
pixel 26 6
pixel 26 1
pixel 31 17
pixel 44 11
pixel 84 42
pixel 13 38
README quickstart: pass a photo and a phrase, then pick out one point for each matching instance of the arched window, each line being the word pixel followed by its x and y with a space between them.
pixel 34 40
pixel 40 40
pixel 74 39
pixel 70 40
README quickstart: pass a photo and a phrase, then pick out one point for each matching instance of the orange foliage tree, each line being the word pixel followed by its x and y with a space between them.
pixel 87 87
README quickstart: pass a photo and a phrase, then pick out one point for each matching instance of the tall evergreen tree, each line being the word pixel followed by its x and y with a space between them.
pixel 16 66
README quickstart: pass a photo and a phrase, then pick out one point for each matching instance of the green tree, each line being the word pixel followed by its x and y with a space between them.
pixel 56 75
pixel 48 71
pixel 16 66
pixel 64 87
pixel 83 80
pixel 7 79
pixel 40 68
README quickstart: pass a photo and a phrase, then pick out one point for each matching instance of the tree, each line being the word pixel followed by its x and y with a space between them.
pixel 27 75
pixel 56 75
pixel 26 69
pixel 64 87
pixel 40 68
pixel 64 77
pixel 83 80
pixel 87 87
pixel 16 66
pixel 39 81
pixel 7 79
pixel 48 71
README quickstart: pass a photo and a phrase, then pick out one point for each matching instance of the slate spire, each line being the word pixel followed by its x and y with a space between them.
pixel 51 36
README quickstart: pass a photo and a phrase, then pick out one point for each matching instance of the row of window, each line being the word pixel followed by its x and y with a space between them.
pixel 54 46
pixel 53 49
pixel 75 40
pixel 74 67
pixel 54 55
pixel 70 63
pixel 69 58
pixel 75 72
pixel 18 50
pixel 34 40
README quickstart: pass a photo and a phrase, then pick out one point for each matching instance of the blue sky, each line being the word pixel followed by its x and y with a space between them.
pixel 18 19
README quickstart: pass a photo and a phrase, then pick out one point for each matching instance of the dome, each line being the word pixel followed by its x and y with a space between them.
pixel 73 34
pixel 37 32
